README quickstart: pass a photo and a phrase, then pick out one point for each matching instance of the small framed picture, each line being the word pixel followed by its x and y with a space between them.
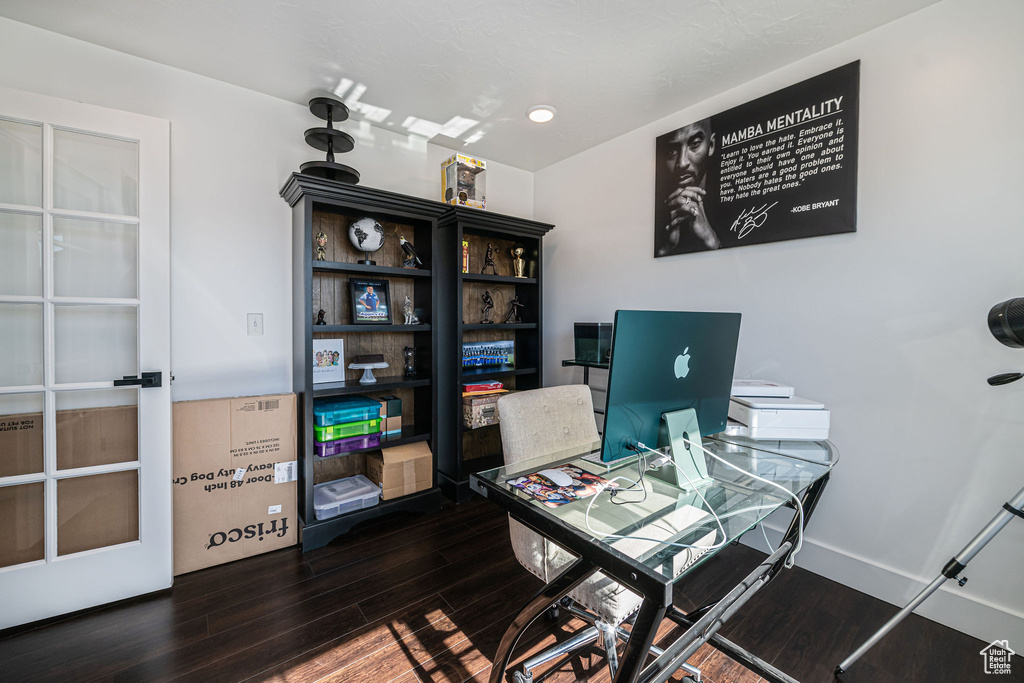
pixel 371 301
pixel 328 360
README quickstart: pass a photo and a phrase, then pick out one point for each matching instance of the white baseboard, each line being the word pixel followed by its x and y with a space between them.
pixel 947 606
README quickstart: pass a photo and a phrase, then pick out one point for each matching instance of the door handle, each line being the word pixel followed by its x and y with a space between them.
pixel 147 381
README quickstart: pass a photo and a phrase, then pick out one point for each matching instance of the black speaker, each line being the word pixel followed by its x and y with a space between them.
pixel 1006 321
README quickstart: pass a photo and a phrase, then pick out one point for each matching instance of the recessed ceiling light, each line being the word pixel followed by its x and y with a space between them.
pixel 542 113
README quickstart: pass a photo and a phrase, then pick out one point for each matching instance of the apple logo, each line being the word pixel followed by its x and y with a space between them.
pixel 682 366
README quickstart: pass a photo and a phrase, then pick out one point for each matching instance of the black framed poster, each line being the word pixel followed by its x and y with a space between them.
pixel 781 167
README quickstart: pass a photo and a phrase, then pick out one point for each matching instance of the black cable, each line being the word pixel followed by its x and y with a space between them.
pixel 641 467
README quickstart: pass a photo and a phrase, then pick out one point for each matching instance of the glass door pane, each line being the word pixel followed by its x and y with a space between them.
pixel 21 342
pixel 95 259
pixel 21 239
pixel 97 511
pixel 95 173
pixel 21 534
pixel 97 427
pixel 95 343
pixel 21 163
pixel 21 434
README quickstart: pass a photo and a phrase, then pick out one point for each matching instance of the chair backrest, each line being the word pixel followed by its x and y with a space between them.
pixel 545 421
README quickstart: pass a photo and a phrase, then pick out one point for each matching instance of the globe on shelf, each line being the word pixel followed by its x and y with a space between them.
pixel 366 235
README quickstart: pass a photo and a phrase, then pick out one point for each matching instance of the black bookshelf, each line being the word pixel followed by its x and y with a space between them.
pixel 323 205
pixel 438 291
pixel 462 451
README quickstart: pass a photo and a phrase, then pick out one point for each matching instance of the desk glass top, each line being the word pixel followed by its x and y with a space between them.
pixel 669 514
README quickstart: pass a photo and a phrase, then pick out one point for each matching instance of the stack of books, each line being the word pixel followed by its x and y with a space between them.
pixel 481 388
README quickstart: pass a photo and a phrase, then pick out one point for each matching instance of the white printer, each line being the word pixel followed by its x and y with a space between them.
pixel 781 416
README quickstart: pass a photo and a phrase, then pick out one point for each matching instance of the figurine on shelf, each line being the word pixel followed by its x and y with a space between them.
pixel 411 259
pixel 410 316
pixel 518 262
pixel 489 261
pixel 410 361
pixel 320 317
pixel 321 244
pixel 513 311
pixel 488 305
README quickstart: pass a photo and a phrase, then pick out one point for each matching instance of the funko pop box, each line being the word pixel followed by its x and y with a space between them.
pixel 463 181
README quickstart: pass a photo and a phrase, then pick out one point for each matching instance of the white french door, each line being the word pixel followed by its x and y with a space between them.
pixel 85 466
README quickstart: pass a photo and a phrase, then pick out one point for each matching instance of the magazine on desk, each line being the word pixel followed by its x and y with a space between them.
pixel 584 484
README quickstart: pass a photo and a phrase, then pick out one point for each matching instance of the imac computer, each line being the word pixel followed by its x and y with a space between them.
pixel 668 383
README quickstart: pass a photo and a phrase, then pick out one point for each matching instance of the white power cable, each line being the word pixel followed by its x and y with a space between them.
pixel 771 550
pixel 718 520
pixel 790 561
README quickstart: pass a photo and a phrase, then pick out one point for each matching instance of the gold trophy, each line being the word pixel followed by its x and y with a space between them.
pixel 518 262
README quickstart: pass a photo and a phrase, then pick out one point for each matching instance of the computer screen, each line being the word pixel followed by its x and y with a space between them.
pixel 664 361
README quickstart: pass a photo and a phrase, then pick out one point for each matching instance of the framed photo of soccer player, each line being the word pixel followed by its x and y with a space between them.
pixel 371 301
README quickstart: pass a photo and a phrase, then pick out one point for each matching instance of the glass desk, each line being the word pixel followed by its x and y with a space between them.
pixel 645 562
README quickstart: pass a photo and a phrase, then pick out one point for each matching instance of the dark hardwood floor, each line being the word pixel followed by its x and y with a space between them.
pixel 427 598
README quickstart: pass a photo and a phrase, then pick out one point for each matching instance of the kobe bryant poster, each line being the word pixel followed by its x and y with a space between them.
pixel 781 167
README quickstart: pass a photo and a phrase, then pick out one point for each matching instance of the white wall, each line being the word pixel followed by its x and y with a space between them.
pixel 886 326
pixel 231 151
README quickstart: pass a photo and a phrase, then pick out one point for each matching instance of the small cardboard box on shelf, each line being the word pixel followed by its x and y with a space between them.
pixel 234 479
pixel 401 470
pixel 480 411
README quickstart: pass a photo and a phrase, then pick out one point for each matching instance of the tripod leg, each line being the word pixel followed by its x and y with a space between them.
pixel 950 571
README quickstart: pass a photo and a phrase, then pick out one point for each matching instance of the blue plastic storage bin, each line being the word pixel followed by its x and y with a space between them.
pixel 345 410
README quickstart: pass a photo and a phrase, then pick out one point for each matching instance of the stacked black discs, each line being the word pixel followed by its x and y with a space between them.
pixel 330 140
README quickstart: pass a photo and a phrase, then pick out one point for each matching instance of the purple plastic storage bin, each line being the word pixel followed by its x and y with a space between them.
pixel 329 448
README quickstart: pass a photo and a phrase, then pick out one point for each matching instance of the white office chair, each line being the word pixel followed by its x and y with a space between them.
pixel 543 422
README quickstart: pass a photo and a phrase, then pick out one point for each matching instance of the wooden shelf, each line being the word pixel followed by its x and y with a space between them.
pixel 500 326
pixel 498 279
pixel 495 371
pixel 383 383
pixel 409 435
pixel 370 328
pixel 361 269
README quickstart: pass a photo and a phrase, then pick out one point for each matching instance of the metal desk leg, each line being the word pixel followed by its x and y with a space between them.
pixel 810 501
pixel 641 637
pixel 574 574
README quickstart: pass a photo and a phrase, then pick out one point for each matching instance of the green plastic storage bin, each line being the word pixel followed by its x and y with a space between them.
pixel 345 431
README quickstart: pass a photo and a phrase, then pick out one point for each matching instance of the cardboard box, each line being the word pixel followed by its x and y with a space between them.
pixel 480 411
pixel 21 442
pixel 234 479
pixel 401 470
pixel 392 425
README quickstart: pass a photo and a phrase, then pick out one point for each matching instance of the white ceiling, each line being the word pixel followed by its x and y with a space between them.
pixel 470 69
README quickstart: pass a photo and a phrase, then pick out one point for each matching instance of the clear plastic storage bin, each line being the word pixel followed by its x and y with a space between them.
pixel 328 448
pixel 335 498
pixel 345 410
pixel 346 430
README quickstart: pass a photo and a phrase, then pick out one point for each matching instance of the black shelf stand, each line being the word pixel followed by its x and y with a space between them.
pixel 463 451
pixel 437 232
pixel 318 202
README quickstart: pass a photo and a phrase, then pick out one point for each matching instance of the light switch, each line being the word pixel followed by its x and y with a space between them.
pixel 255 323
